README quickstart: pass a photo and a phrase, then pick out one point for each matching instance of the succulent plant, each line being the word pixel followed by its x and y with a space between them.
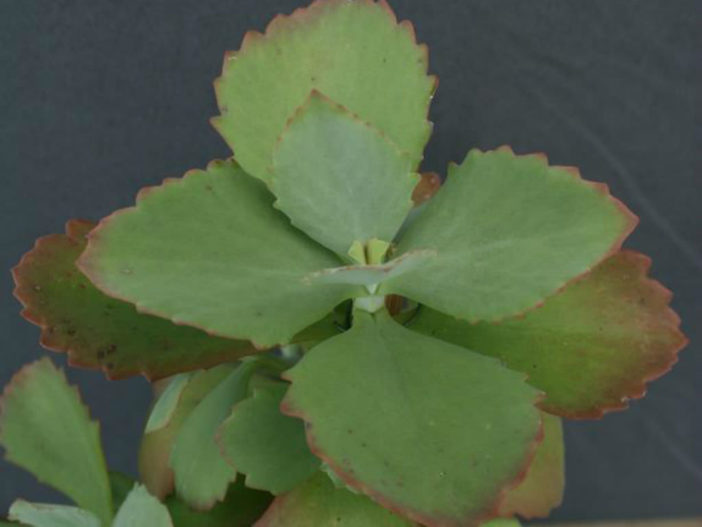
pixel 335 338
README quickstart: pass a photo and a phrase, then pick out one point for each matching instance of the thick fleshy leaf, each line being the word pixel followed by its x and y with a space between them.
pixel 98 331
pixel 167 403
pixel 267 446
pixel 339 179
pixel 502 522
pixel 141 509
pixel 202 476
pixel 319 503
pixel 121 486
pixel 241 508
pixel 353 52
pixel 333 324
pixel 384 404
pixel 209 250
pixel 542 489
pixel 591 347
pixel 46 430
pixel 156 447
pixel 368 275
pixel 49 515
pixel 509 231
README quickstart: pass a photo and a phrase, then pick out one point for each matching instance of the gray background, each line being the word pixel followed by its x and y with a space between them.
pixel 99 98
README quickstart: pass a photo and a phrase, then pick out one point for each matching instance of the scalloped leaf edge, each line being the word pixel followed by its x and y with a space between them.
pixel 84 263
pixel 74 230
pixel 632 220
pixel 639 388
pixel 283 22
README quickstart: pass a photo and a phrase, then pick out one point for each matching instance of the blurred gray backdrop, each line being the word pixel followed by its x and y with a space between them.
pixel 99 98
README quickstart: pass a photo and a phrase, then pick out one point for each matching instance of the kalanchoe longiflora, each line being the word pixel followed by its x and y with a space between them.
pixel 519 304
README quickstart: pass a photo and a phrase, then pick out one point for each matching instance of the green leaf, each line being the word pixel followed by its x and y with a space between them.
pixel 46 515
pixel 156 446
pixel 46 430
pixel 353 52
pixel 384 404
pixel 331 325
pixel 502 522
pixel 241 508
pixel 319 503
pixel 167 402
pixel 591 347
pixel 121 486
pixel 542 489
pixel 509 231
pixel 209 250
pixel 267 446
pixel 141 509
pixel 370 275
pixel 339 179
pixel 98 331
pixel 201 474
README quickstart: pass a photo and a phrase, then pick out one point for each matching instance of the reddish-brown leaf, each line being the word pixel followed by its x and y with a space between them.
pixel 542 489
pixel 428 185
pixel 100 332
pixel 590 348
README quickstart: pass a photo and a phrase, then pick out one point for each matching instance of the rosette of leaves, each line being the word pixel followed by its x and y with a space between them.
pixel 432 337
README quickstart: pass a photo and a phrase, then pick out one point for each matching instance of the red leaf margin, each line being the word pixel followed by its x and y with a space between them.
pixel 84 263
pixel 637 388
pixel 628 270
pixel 632 221
pixel 75 231
pixel 492 510
pixel 287 22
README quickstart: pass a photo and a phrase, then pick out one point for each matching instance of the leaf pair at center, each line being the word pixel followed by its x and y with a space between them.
pixel 211 251
pixel 339 179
